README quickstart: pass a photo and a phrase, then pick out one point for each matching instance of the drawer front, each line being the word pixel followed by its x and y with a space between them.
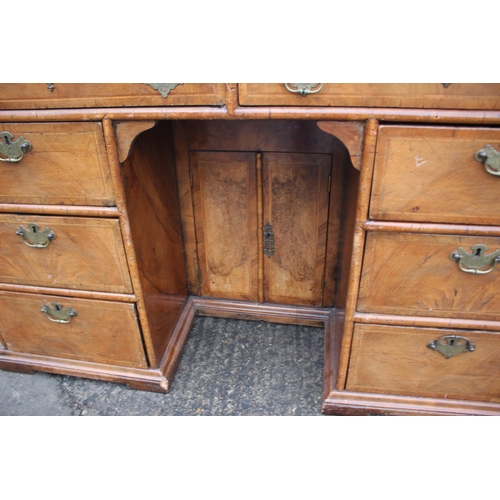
pixel 101 331
pixel 396 360
pixel 67 165
pixel 429 174
pixel 400 95
pixel 412 274
pixel 84 95
pixel 84 253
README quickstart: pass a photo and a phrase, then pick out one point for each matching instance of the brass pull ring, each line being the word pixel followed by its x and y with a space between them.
pixel 451 345
pixel 35 238
pixel 490 158
pixel 58 314
pixel 304 89
pixel 476 262
pixel 13 150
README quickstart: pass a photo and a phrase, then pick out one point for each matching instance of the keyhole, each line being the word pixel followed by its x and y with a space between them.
pixel 6 139
pixel 478 252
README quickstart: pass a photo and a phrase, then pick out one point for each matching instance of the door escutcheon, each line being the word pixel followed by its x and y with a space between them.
pixel 476 262
pixel 35 238
pixel 451 345
pixel 268 240
pixel 57 313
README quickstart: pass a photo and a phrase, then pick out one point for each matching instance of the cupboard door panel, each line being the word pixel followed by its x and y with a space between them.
pixel 296 198
pixel 225 210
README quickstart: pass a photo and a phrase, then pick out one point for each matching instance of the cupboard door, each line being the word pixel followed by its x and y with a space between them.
pixel 225 211
pixel 296 199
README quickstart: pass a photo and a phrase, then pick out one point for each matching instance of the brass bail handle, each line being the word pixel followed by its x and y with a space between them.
pixel 490 158
pixel 304 89
pixel 35 238
pixel 58 314
pixel 451 345
pixel 477 262
pixel 13 151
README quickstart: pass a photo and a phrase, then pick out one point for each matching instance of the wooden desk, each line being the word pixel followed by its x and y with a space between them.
pixel 130 208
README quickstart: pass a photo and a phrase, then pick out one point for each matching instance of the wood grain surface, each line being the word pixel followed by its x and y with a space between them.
pixel 152 205
pixel 102 332
pixel 400 95
pixel 396 360
pixel 66 166
pixel 296 197
pixel 88 95
pixel 225 207
pixel 412 274
pixel 429 174
pixel 87 253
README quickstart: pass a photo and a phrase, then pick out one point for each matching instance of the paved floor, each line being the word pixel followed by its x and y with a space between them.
pixel 228 367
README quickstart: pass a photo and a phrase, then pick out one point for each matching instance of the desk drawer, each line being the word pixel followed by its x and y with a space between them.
pixel 396 360
pixel 101 332
pixel 67 165
pixel 86 253
pixel 400 95
pixel 430 174
pixel 85 95
pixel 412 274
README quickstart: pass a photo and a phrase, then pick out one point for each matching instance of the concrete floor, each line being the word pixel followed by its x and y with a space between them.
pixel 228 367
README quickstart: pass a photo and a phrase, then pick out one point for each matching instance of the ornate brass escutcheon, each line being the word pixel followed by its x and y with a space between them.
pixel 490 158
pixel 304 89
pixel 451 345
pixel 57 313
pixel 268 240
pixel 13 150
pixel 476 262
pixel 35 238
pixel 164 88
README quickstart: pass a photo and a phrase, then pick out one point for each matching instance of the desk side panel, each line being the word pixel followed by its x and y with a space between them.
pixel 152 201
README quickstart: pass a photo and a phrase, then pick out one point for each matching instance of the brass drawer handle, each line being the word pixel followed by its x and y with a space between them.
pixel 268 240
pixel 476 262
pixel 13 150
pixel 35 238
pixel 58 314
pixel 451 345
pixel 490 158
pixel 304 89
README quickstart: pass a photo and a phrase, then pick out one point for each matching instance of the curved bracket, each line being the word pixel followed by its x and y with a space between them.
pixel 126 132
pixel 351 134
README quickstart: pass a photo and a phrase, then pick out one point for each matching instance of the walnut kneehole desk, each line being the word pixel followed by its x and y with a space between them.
pixel 369 210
